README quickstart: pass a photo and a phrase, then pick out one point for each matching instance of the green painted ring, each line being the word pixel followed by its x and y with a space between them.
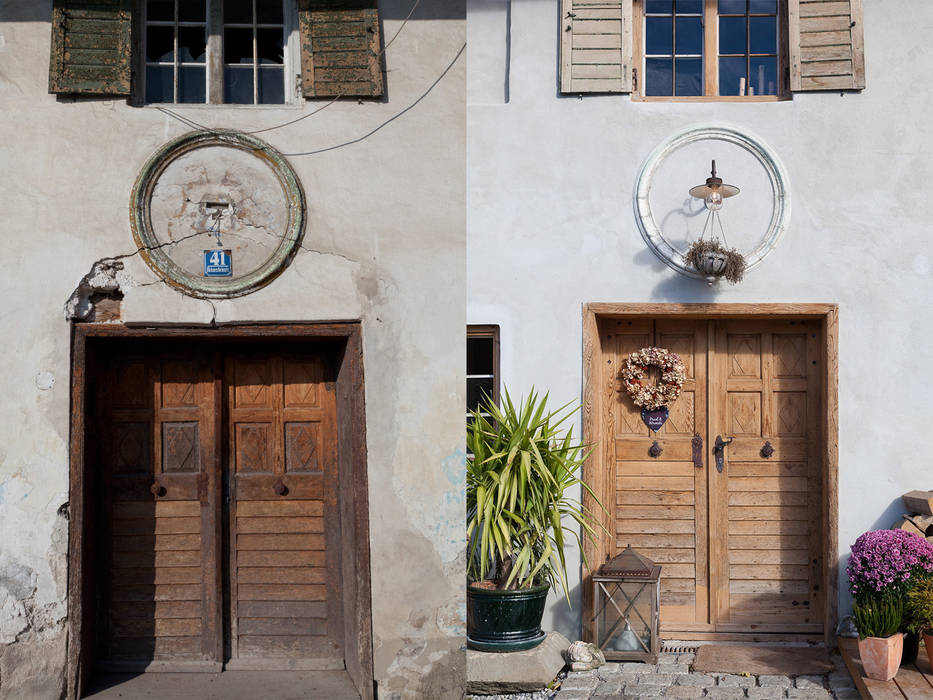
pixel 151 249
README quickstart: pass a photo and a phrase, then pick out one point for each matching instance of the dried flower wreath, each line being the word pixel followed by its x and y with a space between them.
pixel 667 390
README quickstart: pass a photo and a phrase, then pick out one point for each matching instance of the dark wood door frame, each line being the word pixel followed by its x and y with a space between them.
pixel 594 405
pixel 354 501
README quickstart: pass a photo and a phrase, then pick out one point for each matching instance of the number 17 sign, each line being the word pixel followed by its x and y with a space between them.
pixel 218 263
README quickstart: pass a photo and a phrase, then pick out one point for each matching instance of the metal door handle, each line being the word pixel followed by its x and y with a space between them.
pixel 697 444
pixel 719 450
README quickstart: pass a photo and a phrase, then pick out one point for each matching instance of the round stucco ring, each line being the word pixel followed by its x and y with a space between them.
pixel 265 224
pixel 648 225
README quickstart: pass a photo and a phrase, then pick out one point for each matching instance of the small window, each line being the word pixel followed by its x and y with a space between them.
pixel 223 51
pixel 482 366
pixel 710 48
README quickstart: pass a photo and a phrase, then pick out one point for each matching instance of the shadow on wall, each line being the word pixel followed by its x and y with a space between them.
pixel 673 286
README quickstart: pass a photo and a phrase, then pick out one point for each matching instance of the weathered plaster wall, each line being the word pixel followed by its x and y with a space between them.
pixel 551 226
pixel 384 243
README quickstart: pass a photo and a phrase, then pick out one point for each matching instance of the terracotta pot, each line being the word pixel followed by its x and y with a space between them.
pixel 928 643
pixel 881 656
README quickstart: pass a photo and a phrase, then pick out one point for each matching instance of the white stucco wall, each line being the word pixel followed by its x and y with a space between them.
pixel 551 226
pixel 385 240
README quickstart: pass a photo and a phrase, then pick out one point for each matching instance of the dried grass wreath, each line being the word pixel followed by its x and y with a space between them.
pixel 667 390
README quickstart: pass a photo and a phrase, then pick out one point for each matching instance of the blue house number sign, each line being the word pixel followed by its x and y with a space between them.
pixel 218 263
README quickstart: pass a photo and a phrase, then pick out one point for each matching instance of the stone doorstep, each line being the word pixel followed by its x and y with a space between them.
pixel 516 671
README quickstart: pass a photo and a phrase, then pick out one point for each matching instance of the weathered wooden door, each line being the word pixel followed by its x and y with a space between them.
pixel 156 439
pixel 766 567
pixel 285 588
pixel 741 547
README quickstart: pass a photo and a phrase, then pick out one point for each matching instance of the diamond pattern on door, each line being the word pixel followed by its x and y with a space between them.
pixel 745 409
pixel 790 356
pixel 180 447
pixel 301 440
pixel 791 413
pixel 745 355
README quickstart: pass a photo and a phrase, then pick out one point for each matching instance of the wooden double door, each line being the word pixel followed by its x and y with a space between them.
pixel 737 529
pixel 219 539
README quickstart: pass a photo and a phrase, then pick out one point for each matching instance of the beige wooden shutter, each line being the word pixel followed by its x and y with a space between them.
pixel 826 45
pixel 596 46
pixel 91 47
pixel 340 48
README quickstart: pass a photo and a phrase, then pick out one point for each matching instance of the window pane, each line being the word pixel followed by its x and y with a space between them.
pixel 159 84
pixel 270 45
pixel 191 44
pixel 269 11
pixel 689 35
pixel 191 11
pixel 160 44
pixel 238 85
pixel 238 12
pixel 663 6
pixel 659 36
pixel 731 73
pixel 764 75
pixel 659 76
pixel 689 76
pixel 271 85
pixel 479 356
pixel 732 7
pixel 731 35
pixel 160 10
pixel 192 86
pixel 762 7
pixel 690 6
pixel 238 46
pixel 476 388
pixel 762 35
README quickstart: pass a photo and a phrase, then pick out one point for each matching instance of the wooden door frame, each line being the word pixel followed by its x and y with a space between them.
pixel 594 409
pixel 352 464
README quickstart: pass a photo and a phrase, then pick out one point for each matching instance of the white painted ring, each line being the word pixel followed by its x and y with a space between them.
pixel 648 226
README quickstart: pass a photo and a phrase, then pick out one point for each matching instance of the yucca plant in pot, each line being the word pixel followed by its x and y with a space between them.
pixel 521 471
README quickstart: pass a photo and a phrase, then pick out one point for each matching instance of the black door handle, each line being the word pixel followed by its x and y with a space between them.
pixel 719 449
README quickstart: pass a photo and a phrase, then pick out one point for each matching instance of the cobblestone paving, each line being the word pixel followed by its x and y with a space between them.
pixel 671 677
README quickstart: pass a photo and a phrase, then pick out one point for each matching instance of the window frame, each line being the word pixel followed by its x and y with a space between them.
pixel 214 60
pixel 486 331
pixel 710 58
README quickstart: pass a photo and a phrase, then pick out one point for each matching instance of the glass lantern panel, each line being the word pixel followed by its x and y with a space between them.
pixel 624 616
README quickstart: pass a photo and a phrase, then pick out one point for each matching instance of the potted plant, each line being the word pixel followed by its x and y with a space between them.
pixel 713 259
pixel 919 608
pixel 520 472
pixel 883 567
pixel 880 641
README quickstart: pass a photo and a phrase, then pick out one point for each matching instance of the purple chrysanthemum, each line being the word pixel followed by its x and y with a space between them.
pixel 884 560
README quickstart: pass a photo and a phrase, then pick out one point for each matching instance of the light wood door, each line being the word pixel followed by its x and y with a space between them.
pixel 766 564
pixel 661 502
pixel 156 438
pixel 740 549
pixel 284 527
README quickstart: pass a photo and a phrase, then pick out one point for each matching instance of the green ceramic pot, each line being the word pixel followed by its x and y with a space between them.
pixel 502 621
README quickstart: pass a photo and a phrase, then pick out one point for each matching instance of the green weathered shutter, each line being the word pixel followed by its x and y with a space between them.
pixel 340 48
pixel 91 47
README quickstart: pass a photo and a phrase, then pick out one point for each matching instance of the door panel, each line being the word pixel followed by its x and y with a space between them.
pixel 767 571
pixel 285 598
pixel 740 549
pixel 661 502
pixel 157 443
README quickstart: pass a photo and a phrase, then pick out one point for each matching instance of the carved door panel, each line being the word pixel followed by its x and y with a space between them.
pixel 660 501
pixel 284 530
pixel 766 565
pixel 156 440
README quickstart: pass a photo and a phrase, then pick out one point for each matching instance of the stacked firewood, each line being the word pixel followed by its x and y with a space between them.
pixel 919 516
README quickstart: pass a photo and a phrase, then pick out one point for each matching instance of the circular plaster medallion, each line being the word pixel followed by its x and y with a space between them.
pixel 206 180
pixel 669 219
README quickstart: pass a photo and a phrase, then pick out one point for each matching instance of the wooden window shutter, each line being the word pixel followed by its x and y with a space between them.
pixel 826 45
pixel 596 46
pixel 91 47
pixel 340 48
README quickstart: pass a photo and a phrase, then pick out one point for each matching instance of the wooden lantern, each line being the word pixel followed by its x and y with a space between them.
pixel 626 598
